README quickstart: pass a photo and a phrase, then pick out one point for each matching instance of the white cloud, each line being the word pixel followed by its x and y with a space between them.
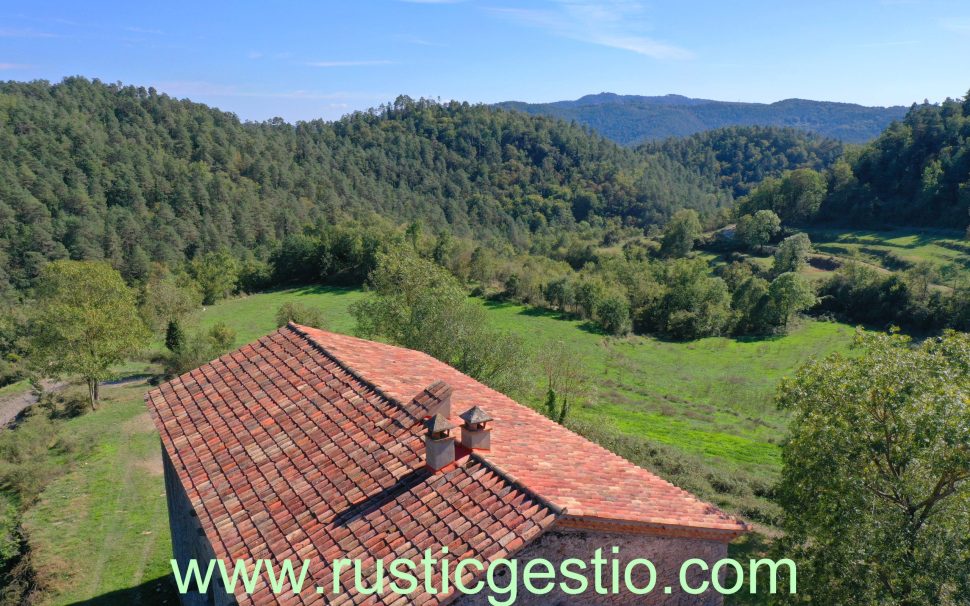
pixel 7 32
pixel 411 39
pixel 888 44
pixel 959 26
pixel 142 30
pixel 616 24
pixel 14 66
pixel 196 88
pixel 364 63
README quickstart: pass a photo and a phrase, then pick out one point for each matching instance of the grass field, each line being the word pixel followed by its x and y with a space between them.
pixel 255 315
pixel 700 413
pixel 99 532
pixel 945 250
pixel 711 397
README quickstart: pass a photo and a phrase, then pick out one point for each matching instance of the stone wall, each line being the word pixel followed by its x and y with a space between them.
pixel 667 555
pixel 188 540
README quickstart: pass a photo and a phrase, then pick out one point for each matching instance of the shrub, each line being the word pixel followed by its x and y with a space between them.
pixel 300 314
pixel 613 314
pixel 199 348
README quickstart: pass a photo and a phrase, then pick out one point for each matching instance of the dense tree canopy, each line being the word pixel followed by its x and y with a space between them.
pixel 130 176
pixel 740 157
pixel 917 171
pixel 876 480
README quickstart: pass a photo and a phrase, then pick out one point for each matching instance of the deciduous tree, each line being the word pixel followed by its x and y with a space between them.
pixel 792 254
pixel 85 322
pixel 680 233
pixel 756 230
pixel 876 477
pixel 418 304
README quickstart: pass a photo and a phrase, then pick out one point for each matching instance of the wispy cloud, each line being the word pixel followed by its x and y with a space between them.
pixel 959 26
pixel 7 32
pixel 411 39
pixel 362 63
pixel 143 30
pixel 888 44
pixel 14 66
pixel 432 1
pixel 616 24
pixel 197 88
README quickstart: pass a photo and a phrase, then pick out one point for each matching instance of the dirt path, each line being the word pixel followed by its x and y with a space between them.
pixel 12 405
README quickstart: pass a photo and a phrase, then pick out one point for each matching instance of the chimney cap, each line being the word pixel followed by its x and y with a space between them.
pixel 437 424
pixel 475 415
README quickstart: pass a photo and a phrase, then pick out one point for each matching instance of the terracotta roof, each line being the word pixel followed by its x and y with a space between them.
pixel 283 453
pixel 575 474
pixel 309 444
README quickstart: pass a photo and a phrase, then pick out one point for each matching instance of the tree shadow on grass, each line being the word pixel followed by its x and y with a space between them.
pixel 320 289
pixel 155 592
pixel 533 311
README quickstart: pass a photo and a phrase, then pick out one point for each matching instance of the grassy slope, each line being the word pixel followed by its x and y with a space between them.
pixel 255 315
pixel 101 529
pixel 711 397
pixel 940 248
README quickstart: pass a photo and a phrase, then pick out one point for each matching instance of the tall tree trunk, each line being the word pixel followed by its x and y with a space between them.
pixel 93 394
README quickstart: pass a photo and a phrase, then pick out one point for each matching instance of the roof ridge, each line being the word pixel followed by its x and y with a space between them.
pixel 298 329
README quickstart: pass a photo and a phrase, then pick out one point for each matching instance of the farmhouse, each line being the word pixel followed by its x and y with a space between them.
pixel 309 445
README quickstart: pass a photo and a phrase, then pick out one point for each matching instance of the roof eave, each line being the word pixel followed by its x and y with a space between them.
pixel 724 534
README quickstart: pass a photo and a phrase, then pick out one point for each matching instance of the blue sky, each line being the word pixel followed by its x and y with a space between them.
pixel 303 60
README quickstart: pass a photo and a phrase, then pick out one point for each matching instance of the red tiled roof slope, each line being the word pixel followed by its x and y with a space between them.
pixel 283 453
pixel 571 472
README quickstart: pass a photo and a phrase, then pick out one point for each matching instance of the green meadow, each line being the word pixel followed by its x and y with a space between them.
pixel 894 249
pixel 98 533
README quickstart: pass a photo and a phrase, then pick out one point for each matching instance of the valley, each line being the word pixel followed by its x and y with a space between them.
pixel 661 300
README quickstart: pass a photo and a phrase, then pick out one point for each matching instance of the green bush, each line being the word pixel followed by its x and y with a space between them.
pixel 300 314
pixel 199 348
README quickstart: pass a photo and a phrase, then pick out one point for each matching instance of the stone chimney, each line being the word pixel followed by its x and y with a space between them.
pixel 475 432
pixel 439 446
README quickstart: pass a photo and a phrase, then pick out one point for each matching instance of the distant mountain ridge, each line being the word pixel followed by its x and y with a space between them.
pixel 635 119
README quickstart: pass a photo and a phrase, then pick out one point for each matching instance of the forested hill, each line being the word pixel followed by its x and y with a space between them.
pixel 917 172
pixel 737 158
pixel 633 119
pixel 91 170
